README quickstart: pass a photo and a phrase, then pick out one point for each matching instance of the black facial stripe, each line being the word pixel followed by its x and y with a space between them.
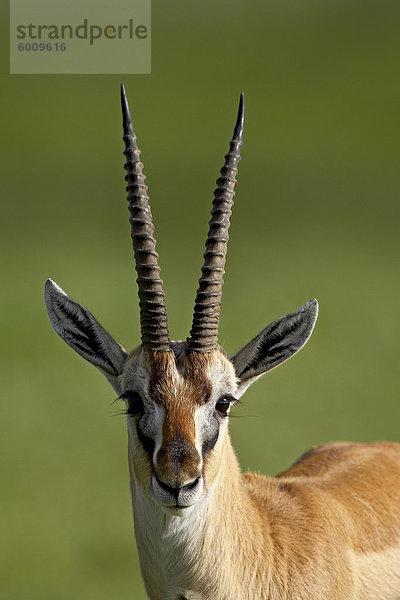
pixel 134 403
pixel 147 442
pixel 208 445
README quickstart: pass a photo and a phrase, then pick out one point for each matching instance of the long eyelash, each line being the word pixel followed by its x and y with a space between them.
pixel 233 416
pixel 120 413
pixel 121 397
pixel 231 398
pixel 125 411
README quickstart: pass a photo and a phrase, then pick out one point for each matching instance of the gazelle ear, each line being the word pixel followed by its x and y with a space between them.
pixel 77 326
pixel 275 344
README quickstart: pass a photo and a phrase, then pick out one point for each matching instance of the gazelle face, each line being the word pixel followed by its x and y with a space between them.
pixel 178 394
pixel 177 404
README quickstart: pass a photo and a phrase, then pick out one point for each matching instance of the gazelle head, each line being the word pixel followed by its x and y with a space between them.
pixel 178 394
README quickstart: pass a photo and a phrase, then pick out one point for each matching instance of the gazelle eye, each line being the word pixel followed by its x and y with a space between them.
pixel 223 405
pixel 134 402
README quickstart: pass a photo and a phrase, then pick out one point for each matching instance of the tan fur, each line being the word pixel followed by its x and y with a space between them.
pixel 328 528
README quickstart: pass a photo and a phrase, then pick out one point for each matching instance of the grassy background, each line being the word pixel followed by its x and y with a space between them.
pixel 316 214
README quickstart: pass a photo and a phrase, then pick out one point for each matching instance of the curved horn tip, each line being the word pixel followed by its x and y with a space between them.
pixel 126 115
pixel 238 131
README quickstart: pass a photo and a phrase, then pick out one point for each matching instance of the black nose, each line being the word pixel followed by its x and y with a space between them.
pixel 174 490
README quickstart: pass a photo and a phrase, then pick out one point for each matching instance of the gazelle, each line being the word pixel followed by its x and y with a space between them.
pixel 328 528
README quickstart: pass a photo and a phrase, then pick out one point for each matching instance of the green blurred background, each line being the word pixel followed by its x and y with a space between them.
pixel 316 214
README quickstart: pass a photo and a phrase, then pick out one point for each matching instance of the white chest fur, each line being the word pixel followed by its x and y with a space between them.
pixel 169 547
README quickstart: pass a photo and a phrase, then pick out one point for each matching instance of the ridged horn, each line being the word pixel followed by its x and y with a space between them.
pixel 153 315
pixel 204 332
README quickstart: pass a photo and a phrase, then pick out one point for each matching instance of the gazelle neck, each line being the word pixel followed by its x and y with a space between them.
pixel 173 548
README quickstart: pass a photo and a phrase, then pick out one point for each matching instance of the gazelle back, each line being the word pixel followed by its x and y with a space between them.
pixel 328 528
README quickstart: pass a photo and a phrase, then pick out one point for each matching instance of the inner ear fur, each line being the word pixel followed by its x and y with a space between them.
pixel 80 330
pixel 276 343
